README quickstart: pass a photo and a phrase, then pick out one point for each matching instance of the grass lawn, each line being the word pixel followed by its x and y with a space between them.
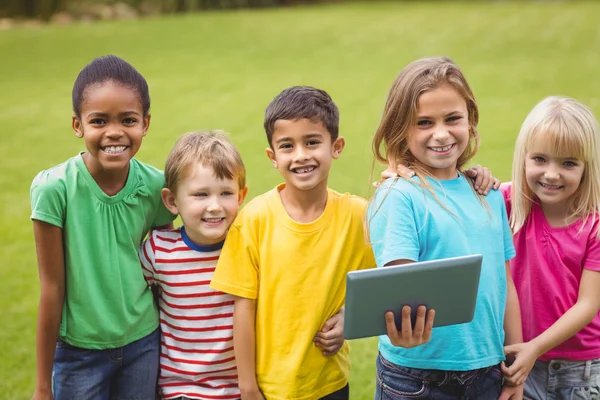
pixel 219 70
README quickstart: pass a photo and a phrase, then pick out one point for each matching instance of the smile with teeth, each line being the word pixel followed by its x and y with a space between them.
pixel 213 220
pixel 113 149
pixel 554 187
pixel 441 149
pixel 304 170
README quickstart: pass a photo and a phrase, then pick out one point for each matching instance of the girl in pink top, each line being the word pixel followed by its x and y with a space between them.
pixel 553 203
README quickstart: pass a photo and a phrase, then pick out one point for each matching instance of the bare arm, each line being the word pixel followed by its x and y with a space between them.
pixel 51 265
pixel 512 316
pixel 571 322
pixel 513 333
pixel 244 344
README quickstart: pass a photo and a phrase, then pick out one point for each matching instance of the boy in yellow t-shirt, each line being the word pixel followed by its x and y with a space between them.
pixel 286 258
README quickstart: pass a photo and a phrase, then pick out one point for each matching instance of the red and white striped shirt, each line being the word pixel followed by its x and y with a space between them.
pixel 196 359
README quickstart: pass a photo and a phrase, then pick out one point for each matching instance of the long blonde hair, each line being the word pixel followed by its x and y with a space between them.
pixel 569 129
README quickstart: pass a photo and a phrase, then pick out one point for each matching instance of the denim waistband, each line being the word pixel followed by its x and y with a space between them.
pixel 440 377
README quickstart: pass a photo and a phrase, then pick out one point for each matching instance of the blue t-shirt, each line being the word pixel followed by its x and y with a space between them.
pixel 407 222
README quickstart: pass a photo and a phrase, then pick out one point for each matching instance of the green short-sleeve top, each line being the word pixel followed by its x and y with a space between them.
pixel 107 301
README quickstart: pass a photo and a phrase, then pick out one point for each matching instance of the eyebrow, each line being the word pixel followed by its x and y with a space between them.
pixel 309 136
pixel 450 114
pixel 101 114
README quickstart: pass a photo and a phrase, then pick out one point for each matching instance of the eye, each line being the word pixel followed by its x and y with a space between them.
pixel 454 118
pixel 129 121
pixel 97 121
pixel 570 164
pixel 227 193
pixel 313 142
pixel 423 122
pixel 200 194
pixel 285 146
pixel 538 159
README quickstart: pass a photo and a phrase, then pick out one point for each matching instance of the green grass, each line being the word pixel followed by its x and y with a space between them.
pixel 219 70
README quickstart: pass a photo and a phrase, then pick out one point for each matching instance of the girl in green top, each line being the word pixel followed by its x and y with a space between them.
pixel 97 334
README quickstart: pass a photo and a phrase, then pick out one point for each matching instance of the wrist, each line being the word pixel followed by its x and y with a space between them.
pixel 248 388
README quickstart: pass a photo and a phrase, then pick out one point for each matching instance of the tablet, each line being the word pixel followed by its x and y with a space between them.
pixel 449 286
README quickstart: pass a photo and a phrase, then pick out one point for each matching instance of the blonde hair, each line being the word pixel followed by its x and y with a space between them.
pixel 211 149
pixel 569 129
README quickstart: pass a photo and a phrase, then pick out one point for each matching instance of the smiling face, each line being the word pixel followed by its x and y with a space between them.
pixel 441 133
pixel 207 204
pixel 112 125
pixel 551 178
pixel 302 152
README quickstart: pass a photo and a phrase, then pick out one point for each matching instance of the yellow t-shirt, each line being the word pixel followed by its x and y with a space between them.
pixel 297 274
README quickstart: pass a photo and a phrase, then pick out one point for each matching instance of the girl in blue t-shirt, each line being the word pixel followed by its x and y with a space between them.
pixel 97 335
pixel 429 125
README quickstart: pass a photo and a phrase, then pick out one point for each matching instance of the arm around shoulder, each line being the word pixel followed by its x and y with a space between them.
pixel 51 265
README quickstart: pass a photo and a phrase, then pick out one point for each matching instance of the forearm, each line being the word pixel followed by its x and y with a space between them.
pixel 244 344
pixel 571 322
pixel 48 322
pixel 512 317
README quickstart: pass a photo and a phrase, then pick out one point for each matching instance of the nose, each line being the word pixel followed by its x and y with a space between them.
pixel 552 172
pixel 440 133
pixel 214 205
pixel 301 154
pixel 114 131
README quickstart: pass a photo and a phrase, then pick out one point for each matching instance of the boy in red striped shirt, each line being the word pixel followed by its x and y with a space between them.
pixel 205 184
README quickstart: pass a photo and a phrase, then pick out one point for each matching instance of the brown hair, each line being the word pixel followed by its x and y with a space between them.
pixel 302 102
pixel 400 112
pixel 212 148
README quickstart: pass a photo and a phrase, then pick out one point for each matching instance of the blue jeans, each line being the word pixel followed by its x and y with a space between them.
pixel 395 382
pixel 561 379
pixel 125 373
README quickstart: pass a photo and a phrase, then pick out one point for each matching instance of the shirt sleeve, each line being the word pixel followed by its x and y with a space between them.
pixel 238 266
pixel 147 256
pixel 163 216
pixel 48 199
pixel 592 255
pixel 392 226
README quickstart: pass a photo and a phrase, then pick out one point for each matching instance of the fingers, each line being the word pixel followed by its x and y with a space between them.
pixel 404 171
pixel 406 324
pixel 496 184
pixel 428 325
pixel 390 325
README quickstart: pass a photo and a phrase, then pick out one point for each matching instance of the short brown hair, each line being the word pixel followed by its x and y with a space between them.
pixel 212 148
pixel 303 102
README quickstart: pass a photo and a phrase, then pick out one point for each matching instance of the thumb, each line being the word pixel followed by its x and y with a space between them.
pixel 329 324
pixel 471 172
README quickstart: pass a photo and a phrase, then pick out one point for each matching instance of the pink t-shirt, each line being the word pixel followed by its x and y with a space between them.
pixel 547 270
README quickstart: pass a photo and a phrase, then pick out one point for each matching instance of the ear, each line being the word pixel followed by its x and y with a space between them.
pixel 338 146
pixel 242 195
pixel 271 155
pixel 168 199
pixel 76 125
pixel 146 123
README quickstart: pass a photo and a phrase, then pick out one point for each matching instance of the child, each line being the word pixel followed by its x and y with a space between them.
pixel 430 126
pixel 90 215
pixel 553 201
pixel 286 259
pixel 205 185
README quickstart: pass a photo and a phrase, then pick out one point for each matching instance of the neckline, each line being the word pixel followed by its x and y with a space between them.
pixel 99 193
pixel 198 247
pixel 294 225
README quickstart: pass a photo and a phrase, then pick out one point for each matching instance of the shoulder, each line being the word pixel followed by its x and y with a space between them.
pixel 54 179
pixel 397 189
pixel 257 209
pixel 149 174
pixel 346 202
